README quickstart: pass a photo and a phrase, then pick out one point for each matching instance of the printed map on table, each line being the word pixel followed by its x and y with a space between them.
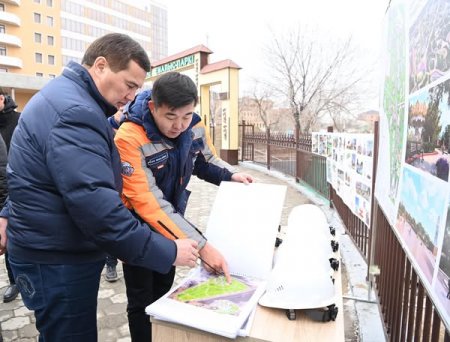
pixel 214 293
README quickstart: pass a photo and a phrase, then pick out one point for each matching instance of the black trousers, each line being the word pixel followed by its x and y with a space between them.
pixel 143 288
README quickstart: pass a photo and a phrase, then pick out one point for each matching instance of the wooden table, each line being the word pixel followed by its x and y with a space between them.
pixel 269 325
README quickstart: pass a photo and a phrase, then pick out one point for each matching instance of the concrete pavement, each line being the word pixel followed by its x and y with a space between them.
pixel 18 322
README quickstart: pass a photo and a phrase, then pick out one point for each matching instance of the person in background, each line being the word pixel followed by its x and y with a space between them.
pixel 64 209
pixel 8 122
pixel 161 144
pixel 3 185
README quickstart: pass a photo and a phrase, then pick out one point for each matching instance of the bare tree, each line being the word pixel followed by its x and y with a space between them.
pixel 315 79
pixel 263 105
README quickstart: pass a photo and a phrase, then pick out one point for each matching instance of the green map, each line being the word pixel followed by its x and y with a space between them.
pixel 212 292
pixel 211 288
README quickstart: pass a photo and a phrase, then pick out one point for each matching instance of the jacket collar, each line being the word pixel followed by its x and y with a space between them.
pixel 80 75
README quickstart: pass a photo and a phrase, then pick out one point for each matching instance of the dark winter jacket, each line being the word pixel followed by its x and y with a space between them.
pixel 64 179
pixel 8 120
pixel 3 162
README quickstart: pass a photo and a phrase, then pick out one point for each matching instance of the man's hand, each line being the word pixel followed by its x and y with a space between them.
pixel 213 258
pixel 242 178
pixel 3 238
pixel 187 252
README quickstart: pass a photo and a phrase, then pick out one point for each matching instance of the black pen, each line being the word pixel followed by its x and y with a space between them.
pixel 176 237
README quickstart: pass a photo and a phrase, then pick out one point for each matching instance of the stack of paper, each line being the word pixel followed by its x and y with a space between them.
pixel 243 226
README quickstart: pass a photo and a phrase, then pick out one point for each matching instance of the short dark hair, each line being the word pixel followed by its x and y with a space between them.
pixel 118 50
pixel 174 90
pixel 3 92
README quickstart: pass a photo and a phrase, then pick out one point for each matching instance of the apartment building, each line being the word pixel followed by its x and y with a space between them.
pixel 39 37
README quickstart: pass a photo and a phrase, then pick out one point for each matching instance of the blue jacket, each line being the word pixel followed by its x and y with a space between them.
pixel 157 170
pixel 64 183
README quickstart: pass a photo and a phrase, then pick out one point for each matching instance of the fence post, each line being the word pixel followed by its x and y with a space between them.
pixel 268 147
pixel 373 209
pixel 297 176
pixel 330 188
pixel 242 141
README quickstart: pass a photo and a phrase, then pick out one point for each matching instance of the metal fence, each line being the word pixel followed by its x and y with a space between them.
pixel 407 309
pixel 284 153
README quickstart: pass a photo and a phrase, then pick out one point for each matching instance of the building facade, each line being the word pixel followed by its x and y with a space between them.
pixel 39 37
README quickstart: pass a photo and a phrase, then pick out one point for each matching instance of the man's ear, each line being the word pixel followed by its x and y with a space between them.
pixel 2 98
pixel 151 106
pixel 99 66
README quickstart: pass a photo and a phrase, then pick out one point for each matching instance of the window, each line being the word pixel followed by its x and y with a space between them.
pixel 2 50
pixel 39 74
pixel 37 1
pixel 50 40
pixel 50 3
pixel 51 75
pixel 38 57
pixel 51 59
pixel 49 21
pixel 37 38
pixel 2 7
pixel 37 18
pixel 3 69
pixel 2 29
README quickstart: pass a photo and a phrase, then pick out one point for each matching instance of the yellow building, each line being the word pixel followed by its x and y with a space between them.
pixel 39 37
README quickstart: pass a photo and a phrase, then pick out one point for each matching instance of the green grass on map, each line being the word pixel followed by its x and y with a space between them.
pixel 211 288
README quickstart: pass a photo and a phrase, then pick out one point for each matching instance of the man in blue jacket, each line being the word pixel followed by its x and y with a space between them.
pixel 64 178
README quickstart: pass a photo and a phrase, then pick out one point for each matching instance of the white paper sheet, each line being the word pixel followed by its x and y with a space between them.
pixel 243 225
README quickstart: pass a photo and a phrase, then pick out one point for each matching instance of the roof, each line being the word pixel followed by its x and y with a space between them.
pixel 195 49
pixel 226 63
pixel 370 115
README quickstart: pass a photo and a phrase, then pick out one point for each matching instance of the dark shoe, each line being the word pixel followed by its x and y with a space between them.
pixel 111 274
pixel 11 293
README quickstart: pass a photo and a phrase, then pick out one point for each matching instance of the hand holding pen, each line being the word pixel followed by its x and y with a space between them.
pixel 214 262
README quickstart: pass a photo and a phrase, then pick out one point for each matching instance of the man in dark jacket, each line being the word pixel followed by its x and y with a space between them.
pixel 3 185
pixel 8 121
pixel 8 116
pixel 64 179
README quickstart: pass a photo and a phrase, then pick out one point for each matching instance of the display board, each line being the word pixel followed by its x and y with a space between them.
pixel 413 162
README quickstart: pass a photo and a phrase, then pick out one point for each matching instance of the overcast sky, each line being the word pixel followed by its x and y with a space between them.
pixel 239 29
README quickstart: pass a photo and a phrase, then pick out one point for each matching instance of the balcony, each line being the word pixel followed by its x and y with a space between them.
pixel 12 62
pixel 12 2
pixel 8 39
pixel 9 18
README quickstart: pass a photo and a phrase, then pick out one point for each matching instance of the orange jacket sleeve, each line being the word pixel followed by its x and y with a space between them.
pixel 140 191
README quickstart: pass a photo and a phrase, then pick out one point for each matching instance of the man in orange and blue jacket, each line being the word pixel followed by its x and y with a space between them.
pixel 161 144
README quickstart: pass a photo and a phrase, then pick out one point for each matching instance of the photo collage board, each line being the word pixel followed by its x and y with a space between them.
pixel 412 183
pixel 349 168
